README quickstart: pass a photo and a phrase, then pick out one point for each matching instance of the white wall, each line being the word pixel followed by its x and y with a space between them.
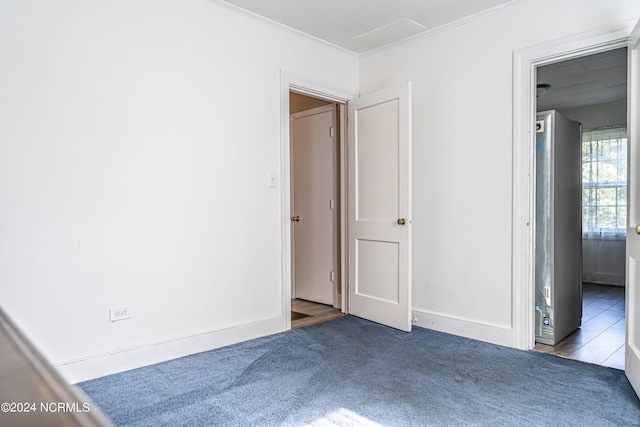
pixel 135 141
pixel 462 155
pixel 603 261
pixel 129 174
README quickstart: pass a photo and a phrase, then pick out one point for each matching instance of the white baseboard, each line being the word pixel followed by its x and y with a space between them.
pixel 632 366
pixel 463 327
pixel 604 278
pixel 120 360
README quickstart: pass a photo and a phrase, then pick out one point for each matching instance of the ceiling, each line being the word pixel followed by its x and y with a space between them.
pixel 583 82
pixel 364 25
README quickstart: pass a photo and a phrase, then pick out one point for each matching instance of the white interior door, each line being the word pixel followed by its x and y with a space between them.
pixel 314 204
pixel 632 353
pixel 379 160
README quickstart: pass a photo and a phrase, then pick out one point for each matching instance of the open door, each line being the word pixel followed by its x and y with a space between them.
pixel 632 353
pixel 313 150
pixel 379 163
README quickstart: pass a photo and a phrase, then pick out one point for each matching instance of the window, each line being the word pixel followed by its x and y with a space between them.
pixel 604 183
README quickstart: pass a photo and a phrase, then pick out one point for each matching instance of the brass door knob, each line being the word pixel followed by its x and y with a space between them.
pixel 638 229
pixel 295 218
pixel 401 221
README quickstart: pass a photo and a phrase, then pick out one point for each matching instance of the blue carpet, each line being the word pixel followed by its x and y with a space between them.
pixel 352 372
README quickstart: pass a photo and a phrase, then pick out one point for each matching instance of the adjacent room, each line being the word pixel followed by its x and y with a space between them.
pixel 592 90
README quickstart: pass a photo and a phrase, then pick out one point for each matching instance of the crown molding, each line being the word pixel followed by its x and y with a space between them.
pixel 256 17
pixel 424 34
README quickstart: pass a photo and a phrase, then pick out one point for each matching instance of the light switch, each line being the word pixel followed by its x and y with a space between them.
pixel 273 179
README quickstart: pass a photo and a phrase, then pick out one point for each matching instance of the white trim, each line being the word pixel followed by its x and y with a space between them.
pixel 344 194
pixel 427 33
pixel 315 88
pixel 464 327
pixel 632 364
pixel 607 279
pixel 632 352
pixel 525 62
pixel 124 359
pixel 278 25
pixel 290 82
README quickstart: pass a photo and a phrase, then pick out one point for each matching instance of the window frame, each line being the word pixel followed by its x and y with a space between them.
pixel 594 164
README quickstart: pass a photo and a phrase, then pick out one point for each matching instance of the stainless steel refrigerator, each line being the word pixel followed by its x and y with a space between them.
pixel 558 227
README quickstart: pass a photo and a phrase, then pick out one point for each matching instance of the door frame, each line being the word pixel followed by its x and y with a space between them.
pixel 290 82
pixel 525 63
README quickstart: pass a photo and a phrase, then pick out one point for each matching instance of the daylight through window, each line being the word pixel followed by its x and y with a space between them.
pixel 604 183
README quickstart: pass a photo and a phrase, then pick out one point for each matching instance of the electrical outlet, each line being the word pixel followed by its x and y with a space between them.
pixel 119 313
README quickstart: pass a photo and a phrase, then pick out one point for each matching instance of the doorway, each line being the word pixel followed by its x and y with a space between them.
pixel 316 291
pixel 591 89
pixel 374 215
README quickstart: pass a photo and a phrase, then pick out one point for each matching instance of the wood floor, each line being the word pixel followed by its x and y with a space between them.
pixel 316 313
pixel 600 339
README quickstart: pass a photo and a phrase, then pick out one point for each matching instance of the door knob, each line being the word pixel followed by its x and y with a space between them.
pixel 295 218
pixel 638 229
pixel 401 221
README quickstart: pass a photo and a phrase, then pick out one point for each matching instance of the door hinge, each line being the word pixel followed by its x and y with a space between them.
pixel 332 276
pixel 332 204
pixel 331 131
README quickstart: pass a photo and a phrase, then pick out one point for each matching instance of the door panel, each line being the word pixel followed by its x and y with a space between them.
pixel 314 235
pixel 377 163
pixel 381 268
pixel 632 353
pixel 380 206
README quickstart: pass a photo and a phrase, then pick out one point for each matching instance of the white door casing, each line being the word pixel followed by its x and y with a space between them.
pixel 632 345
pixel 379 183
pixel 314 204
pixel 525 62
pixel 290 82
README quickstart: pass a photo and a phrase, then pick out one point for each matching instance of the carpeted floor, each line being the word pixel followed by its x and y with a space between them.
pixel 352 372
